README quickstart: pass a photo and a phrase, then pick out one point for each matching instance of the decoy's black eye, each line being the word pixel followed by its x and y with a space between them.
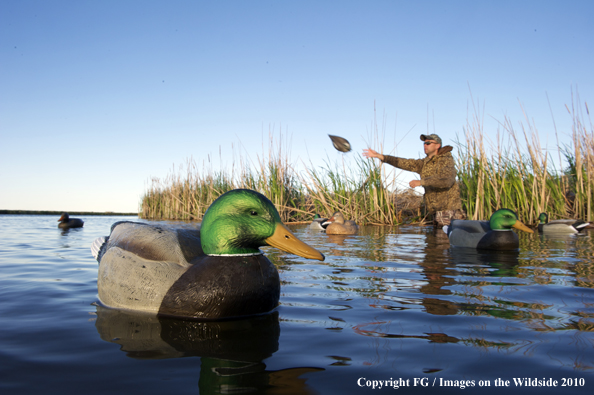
pixel 253 212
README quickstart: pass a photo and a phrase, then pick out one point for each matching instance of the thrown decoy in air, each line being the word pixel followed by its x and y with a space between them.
pixel 318 223
pixel 341 144
pixel 213 273
pixel 65 222
pixel 495 234
pixel 337 225
pixel 566 226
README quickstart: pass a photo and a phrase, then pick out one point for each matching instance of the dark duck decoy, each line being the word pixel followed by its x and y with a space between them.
pixel 213 273
pixel 565 226
pixel 495 234
pixel 337 225
pixel 65 222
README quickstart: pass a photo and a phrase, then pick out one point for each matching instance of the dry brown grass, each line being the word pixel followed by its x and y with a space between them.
pixel 513 171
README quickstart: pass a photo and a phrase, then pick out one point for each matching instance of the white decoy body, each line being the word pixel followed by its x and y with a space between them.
pixel 565 226
pixel 318 223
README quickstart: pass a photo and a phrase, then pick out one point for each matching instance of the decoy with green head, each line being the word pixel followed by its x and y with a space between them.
pixel 215 272
pixel 564 226
pixel 495 234
pixel 318 223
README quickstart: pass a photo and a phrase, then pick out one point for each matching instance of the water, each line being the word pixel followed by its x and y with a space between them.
pixel 387 304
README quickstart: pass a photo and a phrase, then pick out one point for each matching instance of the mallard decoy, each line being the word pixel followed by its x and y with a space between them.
pixel 65 222
pixel 340 143
pixel 212 273
pixel 566 226
pixel 318 223
pixel 495 234
pixel 337 225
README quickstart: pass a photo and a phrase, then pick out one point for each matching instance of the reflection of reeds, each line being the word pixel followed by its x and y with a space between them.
pixel 516 172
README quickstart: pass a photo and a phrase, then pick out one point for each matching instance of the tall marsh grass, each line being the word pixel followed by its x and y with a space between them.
pixel 515 171
pixel 359 188
pixel 511 170
pixel 186 193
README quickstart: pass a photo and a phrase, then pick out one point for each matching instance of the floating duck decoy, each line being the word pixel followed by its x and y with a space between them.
pixel 65 222
pixel 213 273
pixel 337 225
pixel 495 234
pixel 340 143
pixel 318 223
pixel 566 226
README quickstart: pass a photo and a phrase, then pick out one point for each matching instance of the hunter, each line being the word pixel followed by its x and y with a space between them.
pixel 438 177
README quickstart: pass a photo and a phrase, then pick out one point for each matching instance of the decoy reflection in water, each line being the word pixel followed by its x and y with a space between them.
pixel 495 234
pixel 565 226
pixel 213 273
pixel 65 222
pixel 148 336
pixel 502 263
pixel 337 225
pixel 340 143
pixel 231 352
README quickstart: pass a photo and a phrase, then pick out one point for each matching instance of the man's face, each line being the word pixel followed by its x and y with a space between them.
pixel 430 147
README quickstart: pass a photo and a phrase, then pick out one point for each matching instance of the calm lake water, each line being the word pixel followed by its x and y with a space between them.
pixel 390 306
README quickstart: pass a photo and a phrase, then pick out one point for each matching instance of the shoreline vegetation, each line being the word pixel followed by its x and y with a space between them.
pixel 511 170
pixel 58 213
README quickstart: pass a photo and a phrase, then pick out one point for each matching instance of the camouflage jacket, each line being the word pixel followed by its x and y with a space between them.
pixel 438 177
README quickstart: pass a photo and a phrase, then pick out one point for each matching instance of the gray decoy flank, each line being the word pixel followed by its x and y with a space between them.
pixel 565 226
pixel 318 223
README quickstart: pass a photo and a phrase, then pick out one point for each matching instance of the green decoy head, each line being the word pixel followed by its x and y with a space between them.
pixel 240 221
pixel 505 219
pixel 543 218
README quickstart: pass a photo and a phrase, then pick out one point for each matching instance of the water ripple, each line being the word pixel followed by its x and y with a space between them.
pixel 388 302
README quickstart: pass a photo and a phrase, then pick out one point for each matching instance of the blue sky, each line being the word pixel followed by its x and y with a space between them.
pixel 98 97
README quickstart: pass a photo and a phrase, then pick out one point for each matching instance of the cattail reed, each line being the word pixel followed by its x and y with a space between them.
pixel 514 171
pixel 519 173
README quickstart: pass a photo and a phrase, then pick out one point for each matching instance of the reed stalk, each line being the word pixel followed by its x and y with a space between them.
pixel 513 171
pixel 518 173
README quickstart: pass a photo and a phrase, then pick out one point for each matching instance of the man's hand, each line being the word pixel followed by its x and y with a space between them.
pixel 369 153
pixel 415 183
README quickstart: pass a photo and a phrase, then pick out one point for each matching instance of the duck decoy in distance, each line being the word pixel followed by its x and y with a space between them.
pixel 213 273
pixel 318 223
pixel 495 234
pixel 566 226
pixel 337 225
pixel 65 222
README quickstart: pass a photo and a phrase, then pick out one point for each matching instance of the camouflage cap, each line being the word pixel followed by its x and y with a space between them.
pixel 433 137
